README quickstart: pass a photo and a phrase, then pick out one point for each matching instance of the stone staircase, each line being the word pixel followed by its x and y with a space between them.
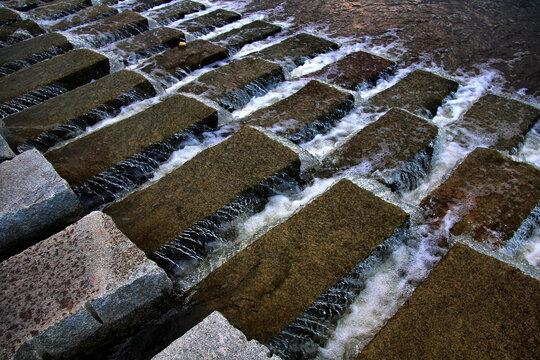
pixel 128 180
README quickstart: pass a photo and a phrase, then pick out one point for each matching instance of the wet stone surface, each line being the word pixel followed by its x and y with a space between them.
pixel 470 306
pixel 5 151
pixel 142 5
pixel 18 31
pixel 58 9
pixel 8 16
pixel 247 34
pixel 175 11
pixel 488 195
pixel 205 23
pixel 84 16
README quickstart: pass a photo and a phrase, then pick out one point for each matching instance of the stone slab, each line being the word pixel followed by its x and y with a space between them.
pixel 470 306
pixel 142 5
pixel 354 69
pixel 58 9
pixel 91 279
pixel 497 122
pixel 233 85
pixel 175 11
pixel 297 49
pixel 32 122
pixel 270 283
pixel 34 202
pixel 247 34
pixel 18 31
pixel 488 195
pixel 215 338
pixel 5 151
pixel 315 101
pixel 199 188
pixel 420 92
pixel 204 24
pixel 181 60
pixel 75 68
pixel 23 5
pixel 8 16
pixel 84 16
pixel 79 160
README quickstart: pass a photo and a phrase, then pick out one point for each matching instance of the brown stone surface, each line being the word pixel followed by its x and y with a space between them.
pixel 205 23
pixel 176 11
pixel 314 101
pixel 496 121
pixel 142 5
pixel 33 121
pixel 421 92
pixel 354 69
pixel 79 160
pixel 247 34
pixel 58 8
pixel 75 68
pixel 8 16
pixel 297 49
pixel 471 306
pixel 8 34
pixel 144 43
pixel 199 188
pixel 33 46
pixel 184 59
pixel 267 285
pixel 84 16
pixel 490 195
pixel 227 84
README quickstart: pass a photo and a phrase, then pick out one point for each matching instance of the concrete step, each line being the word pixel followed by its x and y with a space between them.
pixel 421 93
pixel 84 16
pixel 23 5
pixel 32 51
pixel 79 302
pixel 8 16
pixel 233 85
pixel 199 188
pixel 18 31
pixel 488 197
pixel 67 115
pixel 311 110
pixel 470 306
pixel 142 5
pixel 500 122
pixel 267 285
pixel 247 34
pixel 354 69
pixel 206 23
pixel 175 11
pixel 396 149
pixel 28 87
pixel 58 9
pixel 81 159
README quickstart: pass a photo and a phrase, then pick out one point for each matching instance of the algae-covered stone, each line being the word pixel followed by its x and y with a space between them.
pixel 18 31
pixel 8 16
pixel 199 188
pixel 58 9
pixel 84 16
pixel 254 31
pixel 203 24
pixel 470 306
pixel 175 11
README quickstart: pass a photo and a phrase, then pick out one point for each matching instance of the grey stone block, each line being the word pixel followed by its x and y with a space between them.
pixel 5 151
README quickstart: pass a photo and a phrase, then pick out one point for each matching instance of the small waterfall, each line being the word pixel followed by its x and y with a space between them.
pixel 14 66
pixel 67 11
pixel 33 97
pixel 97 41
pixel 240 97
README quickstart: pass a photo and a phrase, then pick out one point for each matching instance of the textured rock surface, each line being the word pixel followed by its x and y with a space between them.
pixel 36 45
pixel 8 16
pixel 215 338
pixel 34 202
pixel 142 5
pixel 205 23
pixel 470 306
pixel 254 31
pixel 57 9
pixel 91 277
pixel 84 16
pixel 5 151
pixel 267 285
pixel 18 31
pixel 176 11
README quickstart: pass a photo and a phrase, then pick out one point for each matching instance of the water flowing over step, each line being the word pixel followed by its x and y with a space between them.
pixel 18 31
pixel 421 93
pixel 199 188
pixel 175 11
pixel 311 110
pixel 67 115
pixel 32 51
pixel 247 34
pixel 84 16
pixel 396 150
pixel 488 197
pixel 142 5
pixel 8 16
pixel 233 85
pixel 24 5
pixel 50 78
pixel 267 285
pixel 206 23
pixel 58 9
pixel 471 306
pixel 355 69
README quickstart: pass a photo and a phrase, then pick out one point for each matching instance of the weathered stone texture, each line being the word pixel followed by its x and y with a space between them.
pixel 84 16
pixel 5 151
pixel 8 16
pixel 58 9
pixel 19 31
pixel 247 34
pixel 205 23
pixel 176 11
pixel 142 5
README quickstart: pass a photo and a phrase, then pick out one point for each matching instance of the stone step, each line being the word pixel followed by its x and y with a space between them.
pixel 62 73
pixel 247 34
pixel 79 160
pixel 500 122
pixel 34 202
pixel 67 115
pixel 112 28
pixel 199 188
pixel 267 285
pixel 175 11
pixel 354 69
pixel 23 5
pixel 398 147
pixel 420 92
pixel 181 60
pixel 297 49
pixel 488 196
pixel 233 85
pixel 8 16
pixel 32 51
pixel 58 9
pixel 206 23
pixel 84 16
pixel 316 105
pixel 470 306
pixel 146 44
pixel 142 5
pixel 5 150
pixel 18 31
pixel 79 302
